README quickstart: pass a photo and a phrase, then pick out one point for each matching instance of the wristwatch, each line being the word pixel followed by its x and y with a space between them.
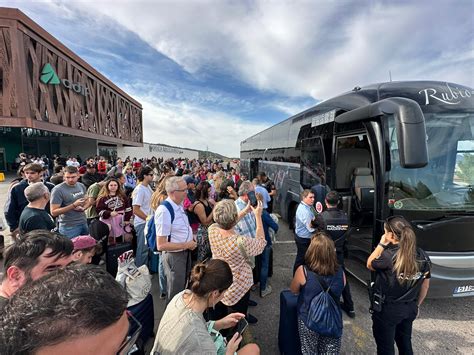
pixel 385 246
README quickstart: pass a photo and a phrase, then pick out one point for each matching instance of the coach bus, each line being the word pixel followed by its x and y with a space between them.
pixel 397 148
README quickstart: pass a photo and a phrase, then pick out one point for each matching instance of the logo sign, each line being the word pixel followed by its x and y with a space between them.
pixel 450 96
pixel 49 76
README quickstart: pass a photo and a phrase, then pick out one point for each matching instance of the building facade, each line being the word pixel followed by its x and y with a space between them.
pixel 52 101
pixel 150 150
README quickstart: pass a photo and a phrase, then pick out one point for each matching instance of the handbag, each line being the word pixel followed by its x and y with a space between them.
pixel 203 245
pixel 137 281
pixel 241 244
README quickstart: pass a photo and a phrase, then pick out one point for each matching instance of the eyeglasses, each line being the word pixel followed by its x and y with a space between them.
pixel 150 174
pixel 134 328
pixel 181 190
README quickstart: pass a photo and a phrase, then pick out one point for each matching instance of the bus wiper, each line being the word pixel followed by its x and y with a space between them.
pixel 427 225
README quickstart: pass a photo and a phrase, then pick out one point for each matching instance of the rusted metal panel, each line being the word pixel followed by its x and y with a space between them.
pixel 72 97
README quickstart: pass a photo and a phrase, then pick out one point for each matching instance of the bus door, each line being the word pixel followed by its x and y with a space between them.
pixel 253 168
pixel 354 180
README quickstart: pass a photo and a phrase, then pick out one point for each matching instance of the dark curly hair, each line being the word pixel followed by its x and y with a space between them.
pixel 67 303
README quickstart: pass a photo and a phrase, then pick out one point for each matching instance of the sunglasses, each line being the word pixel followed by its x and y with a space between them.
pixel 134 330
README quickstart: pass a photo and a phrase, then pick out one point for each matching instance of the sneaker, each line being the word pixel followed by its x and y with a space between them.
pixel 350 312
pixel 251 319
pixel 252 303
pixel 162 295
pixel 266 291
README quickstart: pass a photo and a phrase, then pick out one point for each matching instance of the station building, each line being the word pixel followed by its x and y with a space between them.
pixel 52 101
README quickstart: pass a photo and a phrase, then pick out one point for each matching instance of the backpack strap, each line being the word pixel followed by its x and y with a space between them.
pixel 325 288
pixel 170 209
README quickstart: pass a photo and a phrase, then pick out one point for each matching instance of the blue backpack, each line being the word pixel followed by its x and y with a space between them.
pixel 150 229
pixel 324 314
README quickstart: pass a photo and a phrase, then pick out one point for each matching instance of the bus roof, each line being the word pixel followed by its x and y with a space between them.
pixel 424 92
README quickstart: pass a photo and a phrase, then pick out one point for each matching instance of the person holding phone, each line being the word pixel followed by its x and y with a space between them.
pixel 183 329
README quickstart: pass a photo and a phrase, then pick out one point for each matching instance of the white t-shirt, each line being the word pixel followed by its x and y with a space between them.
pixel 180 231
pixel 141 196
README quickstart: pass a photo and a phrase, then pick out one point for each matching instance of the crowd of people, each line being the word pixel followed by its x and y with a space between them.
pixel 212 231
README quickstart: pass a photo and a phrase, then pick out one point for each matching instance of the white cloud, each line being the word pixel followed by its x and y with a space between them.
pixel 316 48
pixel 190 126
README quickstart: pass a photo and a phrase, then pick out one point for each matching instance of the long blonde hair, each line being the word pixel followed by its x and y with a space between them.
pixel 160 193
pixel 405 265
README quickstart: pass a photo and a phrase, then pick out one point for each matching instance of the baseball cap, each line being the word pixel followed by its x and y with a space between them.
pixel 83 242
pixel 190 180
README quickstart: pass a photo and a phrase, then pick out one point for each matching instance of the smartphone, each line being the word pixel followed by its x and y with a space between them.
pixel 252 198
pixel 241 326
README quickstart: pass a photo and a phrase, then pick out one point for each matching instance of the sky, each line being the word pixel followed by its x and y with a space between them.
pixel 210 73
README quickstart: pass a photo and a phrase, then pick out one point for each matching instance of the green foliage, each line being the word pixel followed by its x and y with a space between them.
pixel 465 169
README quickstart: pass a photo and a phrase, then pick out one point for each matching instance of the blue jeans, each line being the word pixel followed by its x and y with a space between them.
pixel 265 258
pixel 141 257
pixel 74 231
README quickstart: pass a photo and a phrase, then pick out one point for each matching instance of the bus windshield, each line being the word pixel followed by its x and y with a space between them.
pixel 447 182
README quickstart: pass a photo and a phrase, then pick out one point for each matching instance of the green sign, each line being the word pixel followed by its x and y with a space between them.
pixel 49 76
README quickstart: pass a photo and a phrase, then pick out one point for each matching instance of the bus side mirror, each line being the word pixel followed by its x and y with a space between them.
pixel 409 123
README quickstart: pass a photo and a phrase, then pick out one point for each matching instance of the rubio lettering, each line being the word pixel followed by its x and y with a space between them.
pixel 452 96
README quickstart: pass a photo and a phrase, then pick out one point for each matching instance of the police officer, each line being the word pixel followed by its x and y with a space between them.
pixel 402 275
pixel 336 224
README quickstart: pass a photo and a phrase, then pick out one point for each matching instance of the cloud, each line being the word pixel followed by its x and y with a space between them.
pixel 315 48
pixel 212 72
pixel 191 126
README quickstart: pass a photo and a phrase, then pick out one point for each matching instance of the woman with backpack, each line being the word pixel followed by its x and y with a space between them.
pixel 319 284
pixel 401 284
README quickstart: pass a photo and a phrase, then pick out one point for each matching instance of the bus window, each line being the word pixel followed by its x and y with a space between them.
pixel 352 152
pixel 446 182
pixel 313 167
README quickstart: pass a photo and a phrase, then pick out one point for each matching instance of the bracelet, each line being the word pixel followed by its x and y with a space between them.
pixel 384 246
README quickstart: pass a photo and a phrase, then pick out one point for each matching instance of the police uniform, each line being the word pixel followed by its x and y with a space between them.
pixel 336 224
pixel 399 308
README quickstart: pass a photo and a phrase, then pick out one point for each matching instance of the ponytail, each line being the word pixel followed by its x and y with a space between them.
pixel 405 265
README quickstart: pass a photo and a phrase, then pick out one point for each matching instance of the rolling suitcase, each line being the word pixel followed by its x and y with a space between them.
pixel 113 252
pixel 144 313
pixel 288 337
pixel 153 262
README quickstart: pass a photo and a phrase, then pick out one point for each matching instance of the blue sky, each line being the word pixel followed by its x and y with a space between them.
pixel 211 73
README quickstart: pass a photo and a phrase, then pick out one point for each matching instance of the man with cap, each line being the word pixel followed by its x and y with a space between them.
pixel 84 249
pixel 91 176
pixel 335 223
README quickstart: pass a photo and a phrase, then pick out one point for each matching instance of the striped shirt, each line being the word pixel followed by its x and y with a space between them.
pixel 247 225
